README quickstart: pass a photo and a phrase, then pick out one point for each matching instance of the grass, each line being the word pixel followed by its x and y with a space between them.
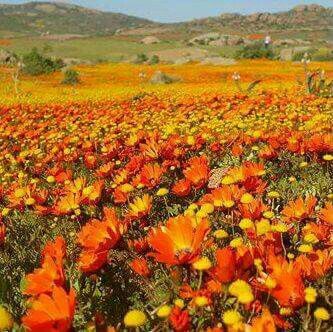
pixel 90 49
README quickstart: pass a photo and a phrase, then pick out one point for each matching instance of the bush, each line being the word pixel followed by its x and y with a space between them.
pixel 255 51
pixel 141 58
pixel 71 77
pixel 36 64
pixel 154 60
pixel 323 54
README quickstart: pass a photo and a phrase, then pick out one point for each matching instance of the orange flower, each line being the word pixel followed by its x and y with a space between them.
pixel 182 188
pixel 299 209
pixel 179 242
pixel 265 323
pixel 198 171
pixel 67 204
pixel 225 270
pixel 51 273
pixel 151 174
pixel 140 266
pixel 97 238
pixel 140 207
pixel 180 320
pixel 53 313
pixel 2 233
pixel 289 290
pixel 316 264
pixel 326 214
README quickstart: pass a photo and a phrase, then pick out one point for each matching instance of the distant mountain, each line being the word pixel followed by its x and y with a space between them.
pixel 34 18
pixel 301 17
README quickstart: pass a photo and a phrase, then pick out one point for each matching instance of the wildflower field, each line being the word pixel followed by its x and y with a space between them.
pixel 203 205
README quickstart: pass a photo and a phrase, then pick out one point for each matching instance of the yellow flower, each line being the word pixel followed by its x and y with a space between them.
pixel 270 282
pixel 311 238
pixel 162 192
pixel 20 193
pixel 286 311
pixel 135 318
pixel 228 204
pixel 237 242
pixel 221 234
pixel 242 290
pixel 292 179
pixel 310 295
pixel 231 317
pixel 263 226
pixel 208 208
pixel 305 248
pixel 202 264
pixel 269 214
pixel 228 180
pixel 126 188
pixel 6 320
pixel 246 198
pixel 201 301
pixel 179 303
pixel 30 201
pixel 50 179
pixel 303 164
pixel 164 311
pixel 328 157
pixel 321 314
pixel 246 223
pixel 273 194
pixel 280 227
pixel 5 211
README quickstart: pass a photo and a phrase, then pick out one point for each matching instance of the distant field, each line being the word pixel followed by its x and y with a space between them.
pixel 90 49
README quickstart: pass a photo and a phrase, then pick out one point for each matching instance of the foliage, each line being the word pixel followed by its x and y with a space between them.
pixel 255 51
pixel 36 64
pixel 154 60
pixel 141 58
pixel 71 77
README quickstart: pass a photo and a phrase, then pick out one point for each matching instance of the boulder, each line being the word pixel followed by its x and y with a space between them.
pixel 6 57
pixel 150 40
pixel 161 78
pixel 204 39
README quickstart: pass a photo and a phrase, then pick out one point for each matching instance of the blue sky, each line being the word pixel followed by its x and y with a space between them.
pixel 179 10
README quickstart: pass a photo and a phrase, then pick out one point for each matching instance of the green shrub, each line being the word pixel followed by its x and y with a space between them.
pixel 255 51
pixel 141 58
pixel 71 77
pixel 323 54
pixel 154 60
pixel 36 64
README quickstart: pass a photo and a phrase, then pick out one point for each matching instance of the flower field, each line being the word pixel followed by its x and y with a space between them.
pixel 195 206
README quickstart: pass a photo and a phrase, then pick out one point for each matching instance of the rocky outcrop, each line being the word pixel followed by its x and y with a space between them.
pixel 150 40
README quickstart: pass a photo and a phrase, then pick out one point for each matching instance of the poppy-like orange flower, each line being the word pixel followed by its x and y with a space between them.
pixel 53 313
pixel 253 210
pixel 264 323
pixel 140 266
pixel 97 238
pixel 225 269
pixel 140 207
pixel 151 175
pixel 182 188
pixel 299 209
pixel 180 320
pixel 179 242
pixel 198 171
pixel 2 233
pixel 326 213
pixel 51 273
pixel 289 290
pixel 67 204
pixel 315 264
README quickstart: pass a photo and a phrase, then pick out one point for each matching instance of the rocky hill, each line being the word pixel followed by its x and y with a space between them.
pixel 301 17
pixel 35 18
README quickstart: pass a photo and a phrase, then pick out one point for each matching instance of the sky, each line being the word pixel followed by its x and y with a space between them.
pixel 182 10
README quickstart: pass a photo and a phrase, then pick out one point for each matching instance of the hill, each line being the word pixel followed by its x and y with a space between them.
pixel 311 17
pixel 35 18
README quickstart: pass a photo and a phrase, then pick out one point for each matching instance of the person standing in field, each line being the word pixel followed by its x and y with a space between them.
pixel 268 41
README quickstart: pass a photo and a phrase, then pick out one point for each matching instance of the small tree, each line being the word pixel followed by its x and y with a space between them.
pixel 36 64
pixel 71 77
pixel 154 60
pixel 141 58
